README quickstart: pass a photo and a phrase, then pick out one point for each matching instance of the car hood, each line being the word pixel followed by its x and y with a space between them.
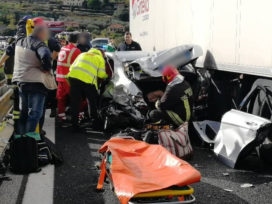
pixel 177 56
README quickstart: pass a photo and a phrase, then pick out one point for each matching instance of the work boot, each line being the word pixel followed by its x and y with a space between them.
pixel 53 113
pixel 42 133
pixel 77 129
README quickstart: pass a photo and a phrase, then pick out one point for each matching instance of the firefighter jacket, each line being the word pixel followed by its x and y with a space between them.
pixel 66 57
pixel 177 100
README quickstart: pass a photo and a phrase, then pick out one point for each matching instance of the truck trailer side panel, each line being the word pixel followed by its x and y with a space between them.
pixel 235 34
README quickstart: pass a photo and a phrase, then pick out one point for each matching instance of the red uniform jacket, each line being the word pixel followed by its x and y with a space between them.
pixel 66 57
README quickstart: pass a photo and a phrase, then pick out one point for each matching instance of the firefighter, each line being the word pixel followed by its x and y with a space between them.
pixel 83 76
pixel 175 104
pixel 66 57
pixel 8 59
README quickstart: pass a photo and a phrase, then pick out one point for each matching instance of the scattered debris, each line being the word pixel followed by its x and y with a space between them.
pixel 198 166
pixel 247 185
pixel 225 174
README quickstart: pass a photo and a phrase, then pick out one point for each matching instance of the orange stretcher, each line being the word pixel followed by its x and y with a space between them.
pixel 144 173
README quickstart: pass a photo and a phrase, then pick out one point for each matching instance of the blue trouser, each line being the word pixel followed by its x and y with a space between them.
pixel 31 108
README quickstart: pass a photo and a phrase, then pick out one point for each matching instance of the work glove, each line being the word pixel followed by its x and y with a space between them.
pixel 157 104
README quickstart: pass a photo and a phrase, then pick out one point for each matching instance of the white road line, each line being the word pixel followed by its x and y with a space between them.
pixel 40 186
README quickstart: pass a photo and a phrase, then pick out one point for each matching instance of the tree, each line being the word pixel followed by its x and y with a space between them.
pixel 122 14
pixel 94 4
pixel 8 32
pixel 70 29
pixel 85 4
pixel 106 2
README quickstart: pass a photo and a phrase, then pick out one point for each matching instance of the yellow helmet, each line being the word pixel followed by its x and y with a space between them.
pixel 29 27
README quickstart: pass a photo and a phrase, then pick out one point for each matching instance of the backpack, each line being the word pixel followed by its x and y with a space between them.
pixel 24 155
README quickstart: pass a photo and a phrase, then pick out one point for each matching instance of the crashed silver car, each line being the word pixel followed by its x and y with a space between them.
pixel 136 73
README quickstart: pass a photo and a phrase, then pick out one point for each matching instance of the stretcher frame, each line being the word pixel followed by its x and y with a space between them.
pixel 185 196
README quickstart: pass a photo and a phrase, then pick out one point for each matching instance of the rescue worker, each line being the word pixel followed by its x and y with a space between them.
pixel 84 43
pixel 66 57
pixel 62 39
pixel 129 44
pixel 83 78
pixel 8 59
pixel 32 73
pixel 175 104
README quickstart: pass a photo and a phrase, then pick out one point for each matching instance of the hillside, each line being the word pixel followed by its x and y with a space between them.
pixel 90 16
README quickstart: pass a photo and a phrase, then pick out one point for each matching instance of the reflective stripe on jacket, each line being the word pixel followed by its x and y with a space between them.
pixel 88 67
pixel 66 57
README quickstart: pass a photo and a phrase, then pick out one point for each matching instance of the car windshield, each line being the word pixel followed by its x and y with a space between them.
pixel 99 43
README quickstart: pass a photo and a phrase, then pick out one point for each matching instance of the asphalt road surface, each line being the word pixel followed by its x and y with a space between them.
pixel 75 181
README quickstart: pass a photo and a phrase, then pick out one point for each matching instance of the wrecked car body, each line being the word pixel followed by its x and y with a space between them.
pixel 137 73
pixel 238 135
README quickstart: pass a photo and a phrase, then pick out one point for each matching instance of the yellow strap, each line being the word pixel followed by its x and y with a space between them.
pixel 2 126
pixel 187 109
pixel 175 117
pixel 16 117
pixel 9 76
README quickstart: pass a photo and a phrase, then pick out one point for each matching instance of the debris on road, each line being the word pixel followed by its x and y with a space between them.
pixel 247 185
pixel 228 190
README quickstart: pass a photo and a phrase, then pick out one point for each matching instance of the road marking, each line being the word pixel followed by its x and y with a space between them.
pixel 40 186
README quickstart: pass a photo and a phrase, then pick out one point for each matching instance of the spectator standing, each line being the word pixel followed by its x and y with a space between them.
pixel 129 44
pixel 84 44
pixel 51 101
pixel 33 74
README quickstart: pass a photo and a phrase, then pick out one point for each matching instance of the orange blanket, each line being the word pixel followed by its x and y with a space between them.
pixel 138 167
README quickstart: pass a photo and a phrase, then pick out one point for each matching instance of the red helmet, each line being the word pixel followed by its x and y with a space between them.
pixel 38 22
pixel 169 73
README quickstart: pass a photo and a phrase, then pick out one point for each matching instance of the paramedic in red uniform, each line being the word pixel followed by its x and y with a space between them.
pixel 66 57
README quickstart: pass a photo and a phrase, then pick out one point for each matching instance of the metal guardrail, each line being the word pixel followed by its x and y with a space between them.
pixel 2 82
pixel 6 101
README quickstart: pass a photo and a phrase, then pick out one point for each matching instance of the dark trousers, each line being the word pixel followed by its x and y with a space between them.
pixel 80 90
pixel 16 110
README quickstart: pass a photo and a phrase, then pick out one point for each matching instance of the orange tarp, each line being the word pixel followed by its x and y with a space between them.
pixel 138 167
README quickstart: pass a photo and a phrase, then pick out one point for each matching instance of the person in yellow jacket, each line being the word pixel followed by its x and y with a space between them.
pixel 83 77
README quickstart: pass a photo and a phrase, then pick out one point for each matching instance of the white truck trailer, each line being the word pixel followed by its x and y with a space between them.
pixel 235 35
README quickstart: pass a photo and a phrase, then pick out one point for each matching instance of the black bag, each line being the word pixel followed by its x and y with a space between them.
pixel 48 153
pixel 24 155
pixel 44 154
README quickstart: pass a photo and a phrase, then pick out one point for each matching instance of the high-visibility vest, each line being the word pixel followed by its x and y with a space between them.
pixel 66 58
pixel 88 67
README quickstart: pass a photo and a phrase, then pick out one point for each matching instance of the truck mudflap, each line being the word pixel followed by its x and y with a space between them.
pixel 259 100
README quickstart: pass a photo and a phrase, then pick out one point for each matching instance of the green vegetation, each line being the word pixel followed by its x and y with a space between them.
pixel 94 15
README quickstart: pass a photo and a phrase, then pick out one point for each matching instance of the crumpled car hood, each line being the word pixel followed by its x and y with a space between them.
pixel 177 56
